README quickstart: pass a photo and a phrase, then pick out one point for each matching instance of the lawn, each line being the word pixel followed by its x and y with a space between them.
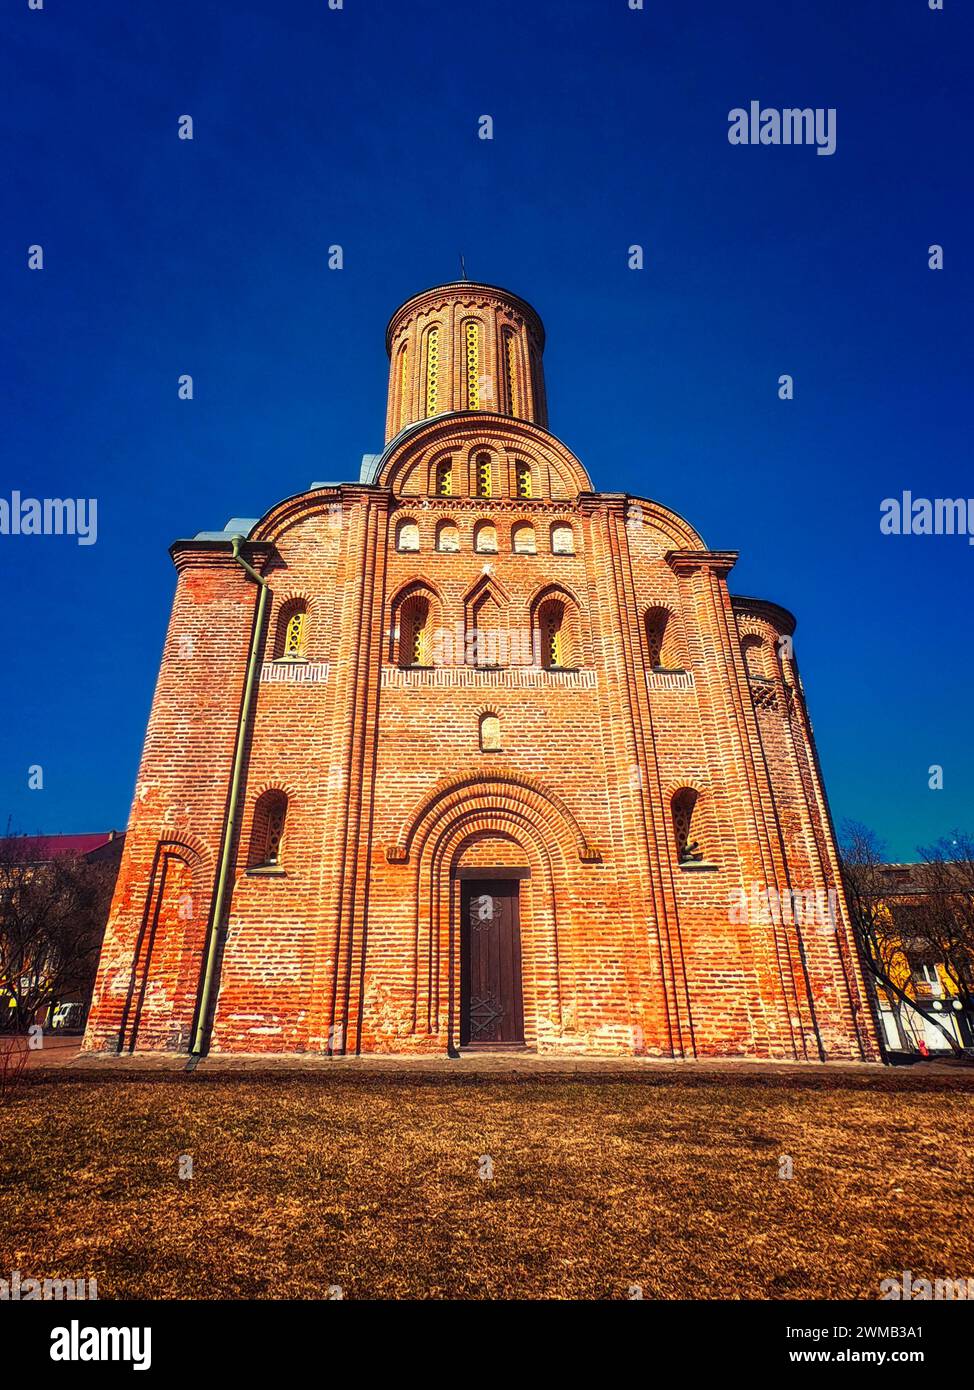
pixel 379 1185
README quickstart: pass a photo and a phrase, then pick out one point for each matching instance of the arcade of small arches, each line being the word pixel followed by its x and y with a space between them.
pixel 484 537
pixel 454 457
pixel 482 473
pixel 485 477
pixel 422 634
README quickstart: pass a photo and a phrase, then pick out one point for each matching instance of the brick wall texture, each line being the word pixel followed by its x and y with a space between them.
pixel 345 938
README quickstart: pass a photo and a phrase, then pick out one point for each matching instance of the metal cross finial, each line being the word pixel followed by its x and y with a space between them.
pixel 463 267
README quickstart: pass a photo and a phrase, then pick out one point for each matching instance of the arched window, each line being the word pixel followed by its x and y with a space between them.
pixel 472 346
pixel 267 831
pixel 664 651
pixel 562 539
pixel 483 476
pixel 511 368
pixel 556 634
pixel 486 637
pixel 485 538
pixel 490 733
pixel 407 535
pixel 403 388
pixel 537 384
pixel 292 631
pixel 756 657
pixel 522 539
pixel 683 806
pixel 444 478
pixel 447 536
pixel 415 631
pixel 525 487
pixel 432 371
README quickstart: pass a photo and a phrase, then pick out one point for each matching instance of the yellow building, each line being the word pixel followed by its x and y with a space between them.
pixel 915 966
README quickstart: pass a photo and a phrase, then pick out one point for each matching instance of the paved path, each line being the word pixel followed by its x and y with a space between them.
pixel 64 1054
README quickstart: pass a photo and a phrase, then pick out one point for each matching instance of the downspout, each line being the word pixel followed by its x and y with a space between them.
pixel 221 897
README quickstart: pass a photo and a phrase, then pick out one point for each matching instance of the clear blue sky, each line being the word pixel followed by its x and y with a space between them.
pixel 359 127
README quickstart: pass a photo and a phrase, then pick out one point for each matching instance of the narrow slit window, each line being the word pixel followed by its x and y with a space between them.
pixel 687 846
pixel 664 644
pixel 444 479
pixel 483 478
pixel 432 371
pixel 292 631
pixel 472 338
pixel 513 390
pixel 414 632
pixel 403 389
pixel 294 634
pixel 551 623
pixel 267 833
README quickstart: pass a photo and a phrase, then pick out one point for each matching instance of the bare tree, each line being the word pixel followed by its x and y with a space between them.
pixel 52 918
pixel 946 923
pixel 887 937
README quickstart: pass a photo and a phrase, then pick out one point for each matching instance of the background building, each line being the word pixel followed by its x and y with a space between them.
pixel 928 951
pixel 55 892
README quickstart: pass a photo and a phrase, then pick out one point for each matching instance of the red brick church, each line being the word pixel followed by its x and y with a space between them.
pixel 468 754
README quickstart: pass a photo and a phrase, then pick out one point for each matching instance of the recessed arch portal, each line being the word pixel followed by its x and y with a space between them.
pixel 461 811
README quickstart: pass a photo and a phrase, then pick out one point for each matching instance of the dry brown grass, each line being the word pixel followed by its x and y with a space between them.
pixel 372 1184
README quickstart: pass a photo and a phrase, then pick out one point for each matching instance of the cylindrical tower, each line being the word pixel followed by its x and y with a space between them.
pixel 464 346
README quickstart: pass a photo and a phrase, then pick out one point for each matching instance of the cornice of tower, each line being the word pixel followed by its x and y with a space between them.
pixel 773 613
pixel 459 290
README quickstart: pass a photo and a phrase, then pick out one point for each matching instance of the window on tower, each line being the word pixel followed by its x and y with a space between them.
pixel 432 371
pixel 403 385
pixel 524 484
pixel 472 346
pixel 511 368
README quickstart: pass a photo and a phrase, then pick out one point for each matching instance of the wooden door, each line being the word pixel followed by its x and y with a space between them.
pixel 492 1008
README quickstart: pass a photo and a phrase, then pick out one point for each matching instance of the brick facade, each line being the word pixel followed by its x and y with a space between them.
pixel 612 679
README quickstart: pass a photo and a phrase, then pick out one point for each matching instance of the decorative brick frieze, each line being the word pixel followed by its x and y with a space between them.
pixel 669 680
pixel 295 672
pixel 480 678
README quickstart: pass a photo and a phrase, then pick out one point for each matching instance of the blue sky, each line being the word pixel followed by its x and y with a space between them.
pixel 359 127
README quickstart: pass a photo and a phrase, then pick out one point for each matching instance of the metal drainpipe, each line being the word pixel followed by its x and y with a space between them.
pixel 220 901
